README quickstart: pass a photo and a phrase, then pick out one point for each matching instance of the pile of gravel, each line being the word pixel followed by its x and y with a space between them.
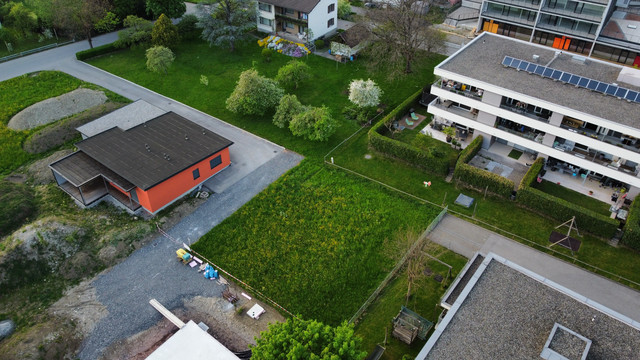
pixel 53 109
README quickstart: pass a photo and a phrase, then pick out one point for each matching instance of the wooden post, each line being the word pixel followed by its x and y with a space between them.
pixel 474 210
pixel 485 192
pixel 444 201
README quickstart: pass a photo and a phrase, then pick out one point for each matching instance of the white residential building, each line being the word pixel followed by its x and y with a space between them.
pixel 296 17
pixel 582 114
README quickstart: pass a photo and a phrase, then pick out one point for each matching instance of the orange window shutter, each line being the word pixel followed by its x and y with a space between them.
pixel 567 42
pixel 557 43
pixel 494 28
pixel 486 26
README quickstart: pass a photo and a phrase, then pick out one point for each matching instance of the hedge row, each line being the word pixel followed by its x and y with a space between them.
pixel 98 50
pixel 436 164
pixel 480 179
pixel 560 209
pixel 631 236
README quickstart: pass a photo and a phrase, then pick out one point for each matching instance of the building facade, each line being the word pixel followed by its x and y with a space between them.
pixel 604 29
pixel 298 17
pixel 579 113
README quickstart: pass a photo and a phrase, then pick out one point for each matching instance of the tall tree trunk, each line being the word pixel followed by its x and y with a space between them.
pixel 90 39
pixel 233 45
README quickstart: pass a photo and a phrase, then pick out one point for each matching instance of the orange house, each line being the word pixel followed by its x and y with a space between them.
pixel 145 167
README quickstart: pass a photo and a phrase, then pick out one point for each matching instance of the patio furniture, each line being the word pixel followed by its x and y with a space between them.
pixel 409 122
pixel 414 116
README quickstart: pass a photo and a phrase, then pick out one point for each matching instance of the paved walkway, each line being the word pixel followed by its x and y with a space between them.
pixel 465 239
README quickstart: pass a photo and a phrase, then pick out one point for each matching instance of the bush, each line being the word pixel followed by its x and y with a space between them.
pixel 359 114
pixel 187 27
pixel 364 93
pixel 159 58
pixel 424 159
pixel 254 94
pixel 319 44
pixel 292 74
pixel 315 123
pixel 16 205
pixel 266 54
pixel 164 33
pixel 561 209
pixel 138 31
pixel 288 107
pixel 96 51
pixel 631 236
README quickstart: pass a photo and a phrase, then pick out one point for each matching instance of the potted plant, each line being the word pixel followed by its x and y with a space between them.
pixel 450 131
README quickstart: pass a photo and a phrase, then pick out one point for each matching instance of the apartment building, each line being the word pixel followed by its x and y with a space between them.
pixel 580 113
pixel 296 17
pixel 604 29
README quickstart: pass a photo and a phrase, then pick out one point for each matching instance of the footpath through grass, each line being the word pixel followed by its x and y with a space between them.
pixel 318 241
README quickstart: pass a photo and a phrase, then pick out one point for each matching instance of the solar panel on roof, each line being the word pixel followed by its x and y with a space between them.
pixel 507 61
pixel 593 84
pixel 531 67
pixel 611 90
pixel 583 82
pixel 515 63
pixel 547 72
pixel 565 77
pixel 621 92
pixel 574 79
pixel 631 95
pixel 556 74
pixel 602 87
pixel 637 99
pixel 523 65
pixel 540 70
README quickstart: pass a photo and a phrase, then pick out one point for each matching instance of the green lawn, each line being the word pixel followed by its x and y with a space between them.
pixel 19 93
pixel 318 241
pixel 328 85
pixel 573 197
pixel 426 296
pixel 27 44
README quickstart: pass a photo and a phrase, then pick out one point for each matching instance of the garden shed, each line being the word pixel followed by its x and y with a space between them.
pixel 349 43
pixel 408 325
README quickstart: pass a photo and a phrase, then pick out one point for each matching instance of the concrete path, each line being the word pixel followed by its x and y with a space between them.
pixel 154 272
pixel 465 239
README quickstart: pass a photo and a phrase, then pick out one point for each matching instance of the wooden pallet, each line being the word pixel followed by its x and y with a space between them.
pixel 229 296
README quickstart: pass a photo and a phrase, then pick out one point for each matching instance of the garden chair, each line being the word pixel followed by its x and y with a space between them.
pixel 414 116
pixel 409 122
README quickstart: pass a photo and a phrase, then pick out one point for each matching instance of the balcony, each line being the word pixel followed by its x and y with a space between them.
pixel 567 31
pixel 592 17
pixel 509 18
pixel 622 143
pixel 525 112
pixel 447 106
pixel 531 5
pixel 595 157
pixel 460 89
pixel 526 133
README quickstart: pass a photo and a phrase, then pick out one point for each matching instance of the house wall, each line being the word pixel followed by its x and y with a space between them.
pixel 175 187
pixel 269 15
pixel 319 17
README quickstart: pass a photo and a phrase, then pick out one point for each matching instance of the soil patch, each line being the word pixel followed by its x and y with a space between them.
pixel 81 305
pixel 39 170
pixel 50 110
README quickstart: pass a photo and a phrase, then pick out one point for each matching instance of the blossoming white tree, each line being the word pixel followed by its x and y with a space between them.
pixel 364 93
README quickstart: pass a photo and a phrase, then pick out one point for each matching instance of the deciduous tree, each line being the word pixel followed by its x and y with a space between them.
pixel 400 32
pixel 288 107
pixel 22 19
pixel 315 123
pixel 227 21
pixel 164 33
pixel 254 94
pixel 292 74
pixel 171 8
pixel 308 339
pixel 108 23
pixel 79 17
pixel 364 93
pixel 344 10
pixel 159 58
pixel 137 31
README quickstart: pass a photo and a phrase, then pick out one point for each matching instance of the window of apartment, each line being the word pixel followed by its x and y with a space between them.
pixel 331 8
pixel 215 161
pixel 196 174
pixel 330 23
pixel 288 11
pixel 288 25
pixel 303 15
pixel 264 7
pixel 264 21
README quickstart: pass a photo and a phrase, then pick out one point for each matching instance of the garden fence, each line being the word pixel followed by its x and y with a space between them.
pixel 398 266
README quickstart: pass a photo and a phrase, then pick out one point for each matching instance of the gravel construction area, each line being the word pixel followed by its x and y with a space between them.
pixel 155 272
pixel 54 109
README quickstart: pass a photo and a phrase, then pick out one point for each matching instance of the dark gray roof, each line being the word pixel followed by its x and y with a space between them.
pixel 508 314
pixel 300 5
pixel 482 60
pixel 154 151
pixel 78 168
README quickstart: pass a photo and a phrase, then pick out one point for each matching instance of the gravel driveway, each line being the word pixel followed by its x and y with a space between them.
pixel 154 272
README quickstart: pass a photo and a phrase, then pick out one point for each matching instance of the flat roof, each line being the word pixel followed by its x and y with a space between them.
pixel 153 151
pixel 482 59
pixel 508 312
pixel 191 342
pixel 79 168
pixel 125 118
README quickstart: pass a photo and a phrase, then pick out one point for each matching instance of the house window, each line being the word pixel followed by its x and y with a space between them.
pixel 330 23
pixel 196 174
pixel 288 11
pixel 332 7
pixel 264 21
pixel 288 25
pixel 215 161
pixel 264 7
pixel 303 15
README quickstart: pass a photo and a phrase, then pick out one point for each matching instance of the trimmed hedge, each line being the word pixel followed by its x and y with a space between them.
pixel 433 163
pixel 631 236
pixel 480 179
pixel 561 209
pixel 98 50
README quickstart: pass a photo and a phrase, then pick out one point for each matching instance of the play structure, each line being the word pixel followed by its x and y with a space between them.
pixel 408 325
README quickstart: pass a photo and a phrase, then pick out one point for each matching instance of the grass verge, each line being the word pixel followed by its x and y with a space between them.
pixel 573 197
